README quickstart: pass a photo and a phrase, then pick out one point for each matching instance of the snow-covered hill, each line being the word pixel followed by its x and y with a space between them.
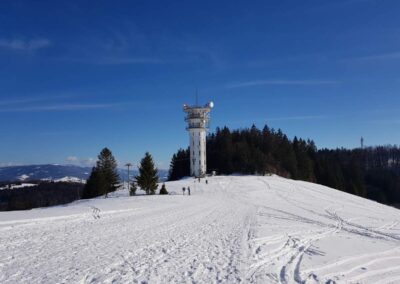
pixel 233 229
pixel 39 172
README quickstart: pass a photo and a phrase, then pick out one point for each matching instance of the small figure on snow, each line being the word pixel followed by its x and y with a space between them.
pixel 188 190
pixel 206 181
pixel 183 190
pixel 95 212
pixel 163 189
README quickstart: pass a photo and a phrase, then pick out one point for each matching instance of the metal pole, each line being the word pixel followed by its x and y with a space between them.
pixel 128 165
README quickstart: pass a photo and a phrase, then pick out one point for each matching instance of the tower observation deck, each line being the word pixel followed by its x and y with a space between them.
pixel 197 118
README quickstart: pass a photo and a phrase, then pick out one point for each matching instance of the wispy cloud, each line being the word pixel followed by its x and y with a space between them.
pixel 382 56
pixel 280 82
pixel 9 164
pixel 59 107
pixel 121 43
pixel 72 159
pixel 386 121
pixel 104 60
pixel 284 118
pixel 124 43
pixel 24 44
pixel 33 99
pixel 304 117
pixel 85 162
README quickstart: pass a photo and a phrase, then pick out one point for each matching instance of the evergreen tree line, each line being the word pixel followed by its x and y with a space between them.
pixel 373 172
pixel 44 194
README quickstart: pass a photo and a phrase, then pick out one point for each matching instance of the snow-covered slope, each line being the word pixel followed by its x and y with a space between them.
pixel 70 179
pixel 235 229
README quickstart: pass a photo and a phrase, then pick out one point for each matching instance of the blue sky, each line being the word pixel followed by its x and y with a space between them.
pixel 76 76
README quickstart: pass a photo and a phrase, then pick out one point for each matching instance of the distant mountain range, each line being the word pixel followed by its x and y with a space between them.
pixel 54 171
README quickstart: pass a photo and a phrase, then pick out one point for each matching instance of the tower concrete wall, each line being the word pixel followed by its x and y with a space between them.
pixel 198 163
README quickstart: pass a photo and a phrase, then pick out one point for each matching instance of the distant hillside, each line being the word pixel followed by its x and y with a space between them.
pixel 38 172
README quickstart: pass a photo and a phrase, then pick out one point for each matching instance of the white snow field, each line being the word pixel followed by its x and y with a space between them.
pixel 244 229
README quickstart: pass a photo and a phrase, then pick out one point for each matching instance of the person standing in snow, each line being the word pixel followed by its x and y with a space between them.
pixel 188 190
pixel 183 190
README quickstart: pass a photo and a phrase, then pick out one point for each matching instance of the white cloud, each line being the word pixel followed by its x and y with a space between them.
pixel 23 44
pixel 85 162
pixel 280 82
pixel 88 162
pixel 72 159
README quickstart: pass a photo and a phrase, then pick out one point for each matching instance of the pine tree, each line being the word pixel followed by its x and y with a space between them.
pixel 147 178
pixel 104 177
pixel 304 163
pixel 107 166
pixel 95 185
pixel 172 173
pixel 180 165
pixel 163 189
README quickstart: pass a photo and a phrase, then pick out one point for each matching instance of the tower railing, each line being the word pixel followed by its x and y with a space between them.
pixel 196 116
pixel 197 126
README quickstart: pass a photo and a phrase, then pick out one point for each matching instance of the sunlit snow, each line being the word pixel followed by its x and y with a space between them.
pixel 234 229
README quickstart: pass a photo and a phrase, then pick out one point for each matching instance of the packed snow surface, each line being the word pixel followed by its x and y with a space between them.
pixel 234 229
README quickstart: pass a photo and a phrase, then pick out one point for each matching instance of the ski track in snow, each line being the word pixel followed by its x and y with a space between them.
pixel 236 229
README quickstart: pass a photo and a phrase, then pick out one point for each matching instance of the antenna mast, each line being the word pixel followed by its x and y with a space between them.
pixel 197 97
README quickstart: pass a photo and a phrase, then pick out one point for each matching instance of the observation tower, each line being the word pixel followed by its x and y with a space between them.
pixel 198 118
